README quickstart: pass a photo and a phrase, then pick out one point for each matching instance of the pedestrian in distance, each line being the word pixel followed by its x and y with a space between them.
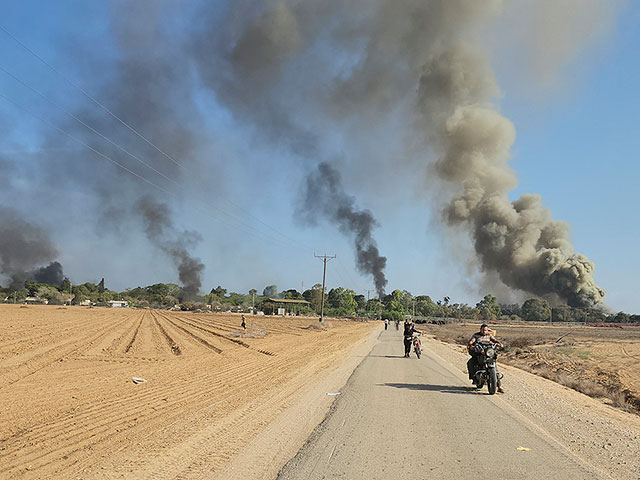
pixel 386 323
pixel 244 323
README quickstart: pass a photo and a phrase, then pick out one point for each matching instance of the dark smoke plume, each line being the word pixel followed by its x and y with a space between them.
pixel 325 196
pixel 519 240
pixel 163 234
pixel 52 274
pixel 23 246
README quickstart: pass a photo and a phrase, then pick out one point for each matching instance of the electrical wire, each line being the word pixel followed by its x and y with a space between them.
pixel 128 126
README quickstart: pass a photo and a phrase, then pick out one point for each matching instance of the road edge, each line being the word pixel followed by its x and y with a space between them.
pixel 270 450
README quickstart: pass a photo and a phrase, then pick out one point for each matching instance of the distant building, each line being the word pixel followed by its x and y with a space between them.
pixel 32 300
pixel 281 306
pixel 118 303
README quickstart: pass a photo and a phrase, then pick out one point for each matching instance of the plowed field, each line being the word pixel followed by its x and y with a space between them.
pixel 69 407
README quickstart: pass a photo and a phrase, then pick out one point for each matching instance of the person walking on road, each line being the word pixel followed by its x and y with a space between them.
pixel 244 323
pixel 409 332
pixel 386 323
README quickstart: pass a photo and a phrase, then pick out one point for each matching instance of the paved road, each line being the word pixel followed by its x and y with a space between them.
pixel 401 418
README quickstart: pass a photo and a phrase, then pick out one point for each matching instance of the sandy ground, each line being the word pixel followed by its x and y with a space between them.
pixel 69 407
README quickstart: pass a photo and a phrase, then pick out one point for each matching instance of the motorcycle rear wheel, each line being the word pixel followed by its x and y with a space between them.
pixel 418 352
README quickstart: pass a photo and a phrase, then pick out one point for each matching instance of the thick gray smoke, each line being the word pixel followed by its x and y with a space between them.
pixel 146 84
pixel 52 274
pixel 519 240
pixel 24 246
pixel 163 234
pixel 312 77
pixel 325 196
pixel 395 48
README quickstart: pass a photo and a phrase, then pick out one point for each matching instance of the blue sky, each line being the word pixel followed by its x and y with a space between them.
pixel 576 145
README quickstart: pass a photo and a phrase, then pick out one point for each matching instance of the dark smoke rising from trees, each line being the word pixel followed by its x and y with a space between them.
pixel 147 85
pixel 423 46
pixel 324 196
pixel 163 234
pixel 303 73
pixel 23 246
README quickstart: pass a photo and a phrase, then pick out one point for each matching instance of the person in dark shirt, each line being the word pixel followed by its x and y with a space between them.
pixel 409 332
pixel 483 336
pixel 244 323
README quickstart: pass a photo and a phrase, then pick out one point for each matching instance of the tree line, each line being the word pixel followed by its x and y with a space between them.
pixel 339 302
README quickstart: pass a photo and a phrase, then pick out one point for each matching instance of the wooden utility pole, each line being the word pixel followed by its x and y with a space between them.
pixel 368 292
pixel 324 258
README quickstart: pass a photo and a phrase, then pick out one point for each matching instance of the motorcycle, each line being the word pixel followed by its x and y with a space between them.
pixel 417 345
pixel 486 355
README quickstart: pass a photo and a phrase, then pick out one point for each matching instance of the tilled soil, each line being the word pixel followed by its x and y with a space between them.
pixel 69 407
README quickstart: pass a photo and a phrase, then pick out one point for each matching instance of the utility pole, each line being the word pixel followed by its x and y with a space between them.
pixel 368 292
pixel 324 258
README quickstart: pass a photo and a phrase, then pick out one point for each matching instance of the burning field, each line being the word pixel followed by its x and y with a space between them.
pixel 69 406
pixel 598 361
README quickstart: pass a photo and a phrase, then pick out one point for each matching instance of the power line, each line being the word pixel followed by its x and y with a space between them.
pixel 118 146
pixel 123 167
pixel 127 125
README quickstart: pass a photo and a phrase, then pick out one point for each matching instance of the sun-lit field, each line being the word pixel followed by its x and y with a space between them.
pixel 598 361
pixel 69 407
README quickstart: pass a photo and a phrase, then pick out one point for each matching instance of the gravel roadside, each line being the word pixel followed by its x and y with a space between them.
pixel 601 435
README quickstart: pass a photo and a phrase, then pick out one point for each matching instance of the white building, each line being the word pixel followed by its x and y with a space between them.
pixel 118 303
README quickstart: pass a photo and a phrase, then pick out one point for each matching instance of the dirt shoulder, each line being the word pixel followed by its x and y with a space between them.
pixel 602 435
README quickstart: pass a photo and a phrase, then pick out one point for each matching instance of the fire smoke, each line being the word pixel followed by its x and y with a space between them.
pixel 325 196
pixel 23 246
pixel 163 234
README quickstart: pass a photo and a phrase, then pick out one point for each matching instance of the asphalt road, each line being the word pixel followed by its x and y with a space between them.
pixel 401 418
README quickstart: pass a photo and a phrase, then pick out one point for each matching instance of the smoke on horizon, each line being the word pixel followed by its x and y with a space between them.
pixel 325 196
pixel 164 235
pixel 311 80
pixel 24 246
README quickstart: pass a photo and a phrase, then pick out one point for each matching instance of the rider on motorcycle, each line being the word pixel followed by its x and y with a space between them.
pixel 483 336
pixel 409 331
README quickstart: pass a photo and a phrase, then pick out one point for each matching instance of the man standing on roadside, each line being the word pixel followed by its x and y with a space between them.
pixel 386 323
pixel 244 323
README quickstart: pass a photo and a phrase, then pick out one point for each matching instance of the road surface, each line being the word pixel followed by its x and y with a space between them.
pixel 403 418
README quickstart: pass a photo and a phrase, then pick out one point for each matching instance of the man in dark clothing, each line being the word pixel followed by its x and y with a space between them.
pixel 409 332
pixel 483 336
pixel 244 323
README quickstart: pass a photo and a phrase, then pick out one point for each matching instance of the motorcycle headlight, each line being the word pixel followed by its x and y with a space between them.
pixel 490 352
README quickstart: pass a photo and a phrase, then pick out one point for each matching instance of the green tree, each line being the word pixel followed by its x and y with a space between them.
pixel 291 294
pixel 65 286
pixel 314 297
pixel 488 308
pixel 536 310
pixel 361 301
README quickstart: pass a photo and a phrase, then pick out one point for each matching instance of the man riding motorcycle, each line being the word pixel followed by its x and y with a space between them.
pixel 483 336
